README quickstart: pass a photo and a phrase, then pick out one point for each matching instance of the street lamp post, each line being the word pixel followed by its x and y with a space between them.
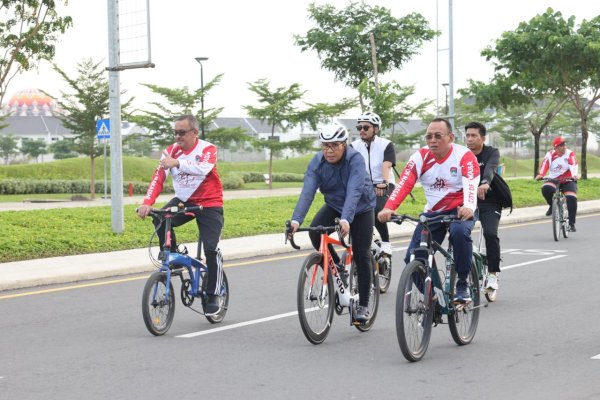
pixel 200 59
pixel 445 85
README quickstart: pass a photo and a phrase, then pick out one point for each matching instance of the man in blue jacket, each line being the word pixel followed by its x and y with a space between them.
pixel 339 174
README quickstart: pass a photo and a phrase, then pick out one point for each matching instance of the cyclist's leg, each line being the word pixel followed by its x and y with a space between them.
pixel 437 230
pixel 326 217
pixel 210 224
pixel 548 190
pixel 460 236
pixel 489 216
pixel 382 227
pixel 177 221
pixel 361 230
pixel 570 191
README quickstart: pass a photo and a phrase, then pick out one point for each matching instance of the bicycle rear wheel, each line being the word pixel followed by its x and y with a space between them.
pixel 555 219
pixel 158 309
pixel 315 302
pixel 223 299
pixel 463 318
pixel 384 265
pixel 414 312
pixel 564 220
pixel 373 293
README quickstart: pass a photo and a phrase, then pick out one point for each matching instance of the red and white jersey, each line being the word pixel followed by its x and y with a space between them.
pixel 448 183
pixel 195 180
pixel 559 167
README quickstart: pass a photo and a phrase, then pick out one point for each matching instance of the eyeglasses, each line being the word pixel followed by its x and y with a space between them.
pixel 362 128
pixel 331 146
pixel 182 132
pixel 437 136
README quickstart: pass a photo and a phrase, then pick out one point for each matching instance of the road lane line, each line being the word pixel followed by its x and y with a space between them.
pixel 532 262
pixel 238 325
pixel 596 357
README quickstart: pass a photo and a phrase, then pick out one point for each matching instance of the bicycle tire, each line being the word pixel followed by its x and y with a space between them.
pixel 414 313
pixel 315 315
pixel 384 266
pixel 564 224
pixel 463 319
pixel 373 293
pixel 223 299
pixel 555 220
pixel 157 310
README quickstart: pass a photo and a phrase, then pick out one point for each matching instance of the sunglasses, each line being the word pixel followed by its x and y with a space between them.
pixel 362 128
pixel 181 132
pixel 437 136
pixel 331 146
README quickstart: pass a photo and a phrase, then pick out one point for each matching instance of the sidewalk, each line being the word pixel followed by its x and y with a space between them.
pixel 30 273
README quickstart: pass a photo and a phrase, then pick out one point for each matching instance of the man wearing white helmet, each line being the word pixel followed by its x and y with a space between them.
pixel 380 157
pixel 339 174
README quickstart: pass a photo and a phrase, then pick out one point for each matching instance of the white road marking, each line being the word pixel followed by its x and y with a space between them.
pixel 596 357
pixel 533 262
pixel 238 325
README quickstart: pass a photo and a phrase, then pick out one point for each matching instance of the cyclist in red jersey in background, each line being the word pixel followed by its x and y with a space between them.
pixel 192 165
pixel 449 174
pixel 560 164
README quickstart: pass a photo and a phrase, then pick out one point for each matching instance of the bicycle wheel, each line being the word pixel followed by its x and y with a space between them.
pixel 463 318
pixel 223 299
pixel 158 310
pixel 373 293
pixel 555 219
pixel 564 220
pixel 414 313
pixel 384 265
pixel 315 302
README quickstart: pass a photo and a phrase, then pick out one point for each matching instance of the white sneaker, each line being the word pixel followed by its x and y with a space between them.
pixel 386 247
pixel 492 281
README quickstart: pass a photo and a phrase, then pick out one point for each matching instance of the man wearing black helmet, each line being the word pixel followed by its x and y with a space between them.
pixel 339 174
pixel 380 157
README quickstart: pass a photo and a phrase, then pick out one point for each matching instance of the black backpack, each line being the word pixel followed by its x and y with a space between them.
pixel 502 191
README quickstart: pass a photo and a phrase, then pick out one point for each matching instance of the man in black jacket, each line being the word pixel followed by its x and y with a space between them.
pixel 488 201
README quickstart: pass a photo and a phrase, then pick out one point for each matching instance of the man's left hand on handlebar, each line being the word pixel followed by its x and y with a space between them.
pixel 465 213
pixel 143 211
pixel 385 215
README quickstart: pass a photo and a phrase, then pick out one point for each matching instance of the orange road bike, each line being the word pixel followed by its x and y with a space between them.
pixel 322 288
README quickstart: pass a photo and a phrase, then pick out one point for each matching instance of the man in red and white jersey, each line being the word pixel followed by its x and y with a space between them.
pixel 561 165
pixel 449 174
pixel 192 164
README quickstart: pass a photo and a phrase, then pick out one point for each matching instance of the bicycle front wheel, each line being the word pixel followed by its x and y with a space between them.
pixel 556 219
pixel 158 309
pixel 373 293
pixel 463 318
pixel 414 312
pixel 315 301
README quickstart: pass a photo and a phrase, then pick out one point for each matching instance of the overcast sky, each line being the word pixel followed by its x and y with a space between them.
pixel 249 40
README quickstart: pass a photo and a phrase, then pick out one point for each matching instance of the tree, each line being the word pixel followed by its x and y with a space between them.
pixel 279 110
pixel 342 40
pixel 8 147
pixel 62 149
pixel 33 148
pixel 549 54
pixel 81 109
pixel 179 102
pixel 228 138
pixel 28 33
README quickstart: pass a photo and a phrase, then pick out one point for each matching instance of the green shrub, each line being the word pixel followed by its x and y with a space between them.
pixel 289 177
pixel 232 182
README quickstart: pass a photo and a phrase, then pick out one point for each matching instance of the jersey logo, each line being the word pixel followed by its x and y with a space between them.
pixel 439 185
pixel 453 172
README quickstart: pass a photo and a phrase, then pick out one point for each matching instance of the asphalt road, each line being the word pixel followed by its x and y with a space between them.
pixel 88 340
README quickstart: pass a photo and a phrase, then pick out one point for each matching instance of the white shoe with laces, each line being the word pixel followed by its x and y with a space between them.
pixel 492 281
pixel 386 247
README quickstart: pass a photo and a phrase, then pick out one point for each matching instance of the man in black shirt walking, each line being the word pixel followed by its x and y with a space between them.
pixel 488 202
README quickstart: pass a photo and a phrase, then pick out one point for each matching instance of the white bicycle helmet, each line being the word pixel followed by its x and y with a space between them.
pixel 370 117
pixel 335 134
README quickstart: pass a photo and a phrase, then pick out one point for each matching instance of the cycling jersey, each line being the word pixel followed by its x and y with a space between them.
pixel 196 180
pixel 345 185
pixel 559 167
pixel 448 183
pixel 375 153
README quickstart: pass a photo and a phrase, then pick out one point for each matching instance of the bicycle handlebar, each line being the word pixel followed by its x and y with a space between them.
pixel 559 181
pixel 173 210
pixel 320 228
pixel 445 218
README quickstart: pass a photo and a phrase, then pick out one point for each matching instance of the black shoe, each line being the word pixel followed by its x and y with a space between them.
pixel 212 305
pixel 549 212
pixel 362 314
pixel 161 256
pixel 462 294
pixel 572 228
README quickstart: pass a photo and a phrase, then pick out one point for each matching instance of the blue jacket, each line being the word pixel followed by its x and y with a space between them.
pixel 346 186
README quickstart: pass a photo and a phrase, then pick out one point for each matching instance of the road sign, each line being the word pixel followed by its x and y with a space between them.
pixel 103 129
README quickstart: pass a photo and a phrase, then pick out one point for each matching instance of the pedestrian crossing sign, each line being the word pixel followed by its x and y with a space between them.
pixel 103 129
